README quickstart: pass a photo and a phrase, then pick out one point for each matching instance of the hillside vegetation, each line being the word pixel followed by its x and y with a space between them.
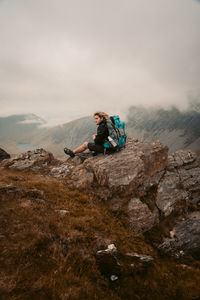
pixel 48 245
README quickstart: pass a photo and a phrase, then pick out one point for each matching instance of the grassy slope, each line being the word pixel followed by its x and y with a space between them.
pixel 48 256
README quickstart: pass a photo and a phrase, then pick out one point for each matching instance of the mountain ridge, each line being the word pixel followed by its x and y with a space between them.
pixel 175 128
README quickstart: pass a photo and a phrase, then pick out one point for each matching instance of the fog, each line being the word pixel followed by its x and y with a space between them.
pixel 66 59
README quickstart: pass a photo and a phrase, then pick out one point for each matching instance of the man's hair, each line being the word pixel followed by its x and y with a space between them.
pixel 101 114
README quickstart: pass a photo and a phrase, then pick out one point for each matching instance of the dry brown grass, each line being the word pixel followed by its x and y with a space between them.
pixel 45 255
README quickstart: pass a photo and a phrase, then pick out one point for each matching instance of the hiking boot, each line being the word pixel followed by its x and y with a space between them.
pixel 69 152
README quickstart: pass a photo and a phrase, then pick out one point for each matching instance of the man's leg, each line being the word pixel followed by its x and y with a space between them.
pixel 81 148
pixel 95 148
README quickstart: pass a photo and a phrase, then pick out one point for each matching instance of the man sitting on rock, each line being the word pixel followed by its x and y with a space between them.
pixel 102 135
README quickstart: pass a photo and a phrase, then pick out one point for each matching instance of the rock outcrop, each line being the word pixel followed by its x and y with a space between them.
pixel 122 172
pixel 3 155
pixel 141 184
pixel 122 179
pixel 149 190
pixel 34 160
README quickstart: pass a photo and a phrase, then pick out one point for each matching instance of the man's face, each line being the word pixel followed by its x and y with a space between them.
pixel 98 119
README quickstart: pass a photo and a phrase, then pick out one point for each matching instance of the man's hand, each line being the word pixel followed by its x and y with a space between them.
pixel 94 136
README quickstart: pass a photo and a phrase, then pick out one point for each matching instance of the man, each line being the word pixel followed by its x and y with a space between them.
pixel 102 134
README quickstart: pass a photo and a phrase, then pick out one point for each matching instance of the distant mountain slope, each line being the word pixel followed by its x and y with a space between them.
pixel 26 129
pixel 19 128
pixel 70 134
pixel 178 130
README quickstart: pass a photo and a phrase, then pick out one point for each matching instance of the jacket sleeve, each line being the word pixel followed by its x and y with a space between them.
pixel 102 134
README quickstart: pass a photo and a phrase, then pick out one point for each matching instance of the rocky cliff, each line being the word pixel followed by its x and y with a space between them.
pixel 155 197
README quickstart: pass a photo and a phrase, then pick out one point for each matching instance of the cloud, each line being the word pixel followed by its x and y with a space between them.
pixel 65 59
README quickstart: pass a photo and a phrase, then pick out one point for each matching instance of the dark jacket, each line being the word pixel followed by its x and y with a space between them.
pixel 102 133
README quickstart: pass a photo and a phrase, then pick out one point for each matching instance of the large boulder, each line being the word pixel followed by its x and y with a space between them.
pixel 3 155
pixel 119 180
pixel 122 172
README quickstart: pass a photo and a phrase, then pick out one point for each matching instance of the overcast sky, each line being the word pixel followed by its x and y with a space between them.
pixel 64 59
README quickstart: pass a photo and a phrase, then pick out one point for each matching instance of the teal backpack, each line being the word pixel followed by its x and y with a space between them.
pixel 117 136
